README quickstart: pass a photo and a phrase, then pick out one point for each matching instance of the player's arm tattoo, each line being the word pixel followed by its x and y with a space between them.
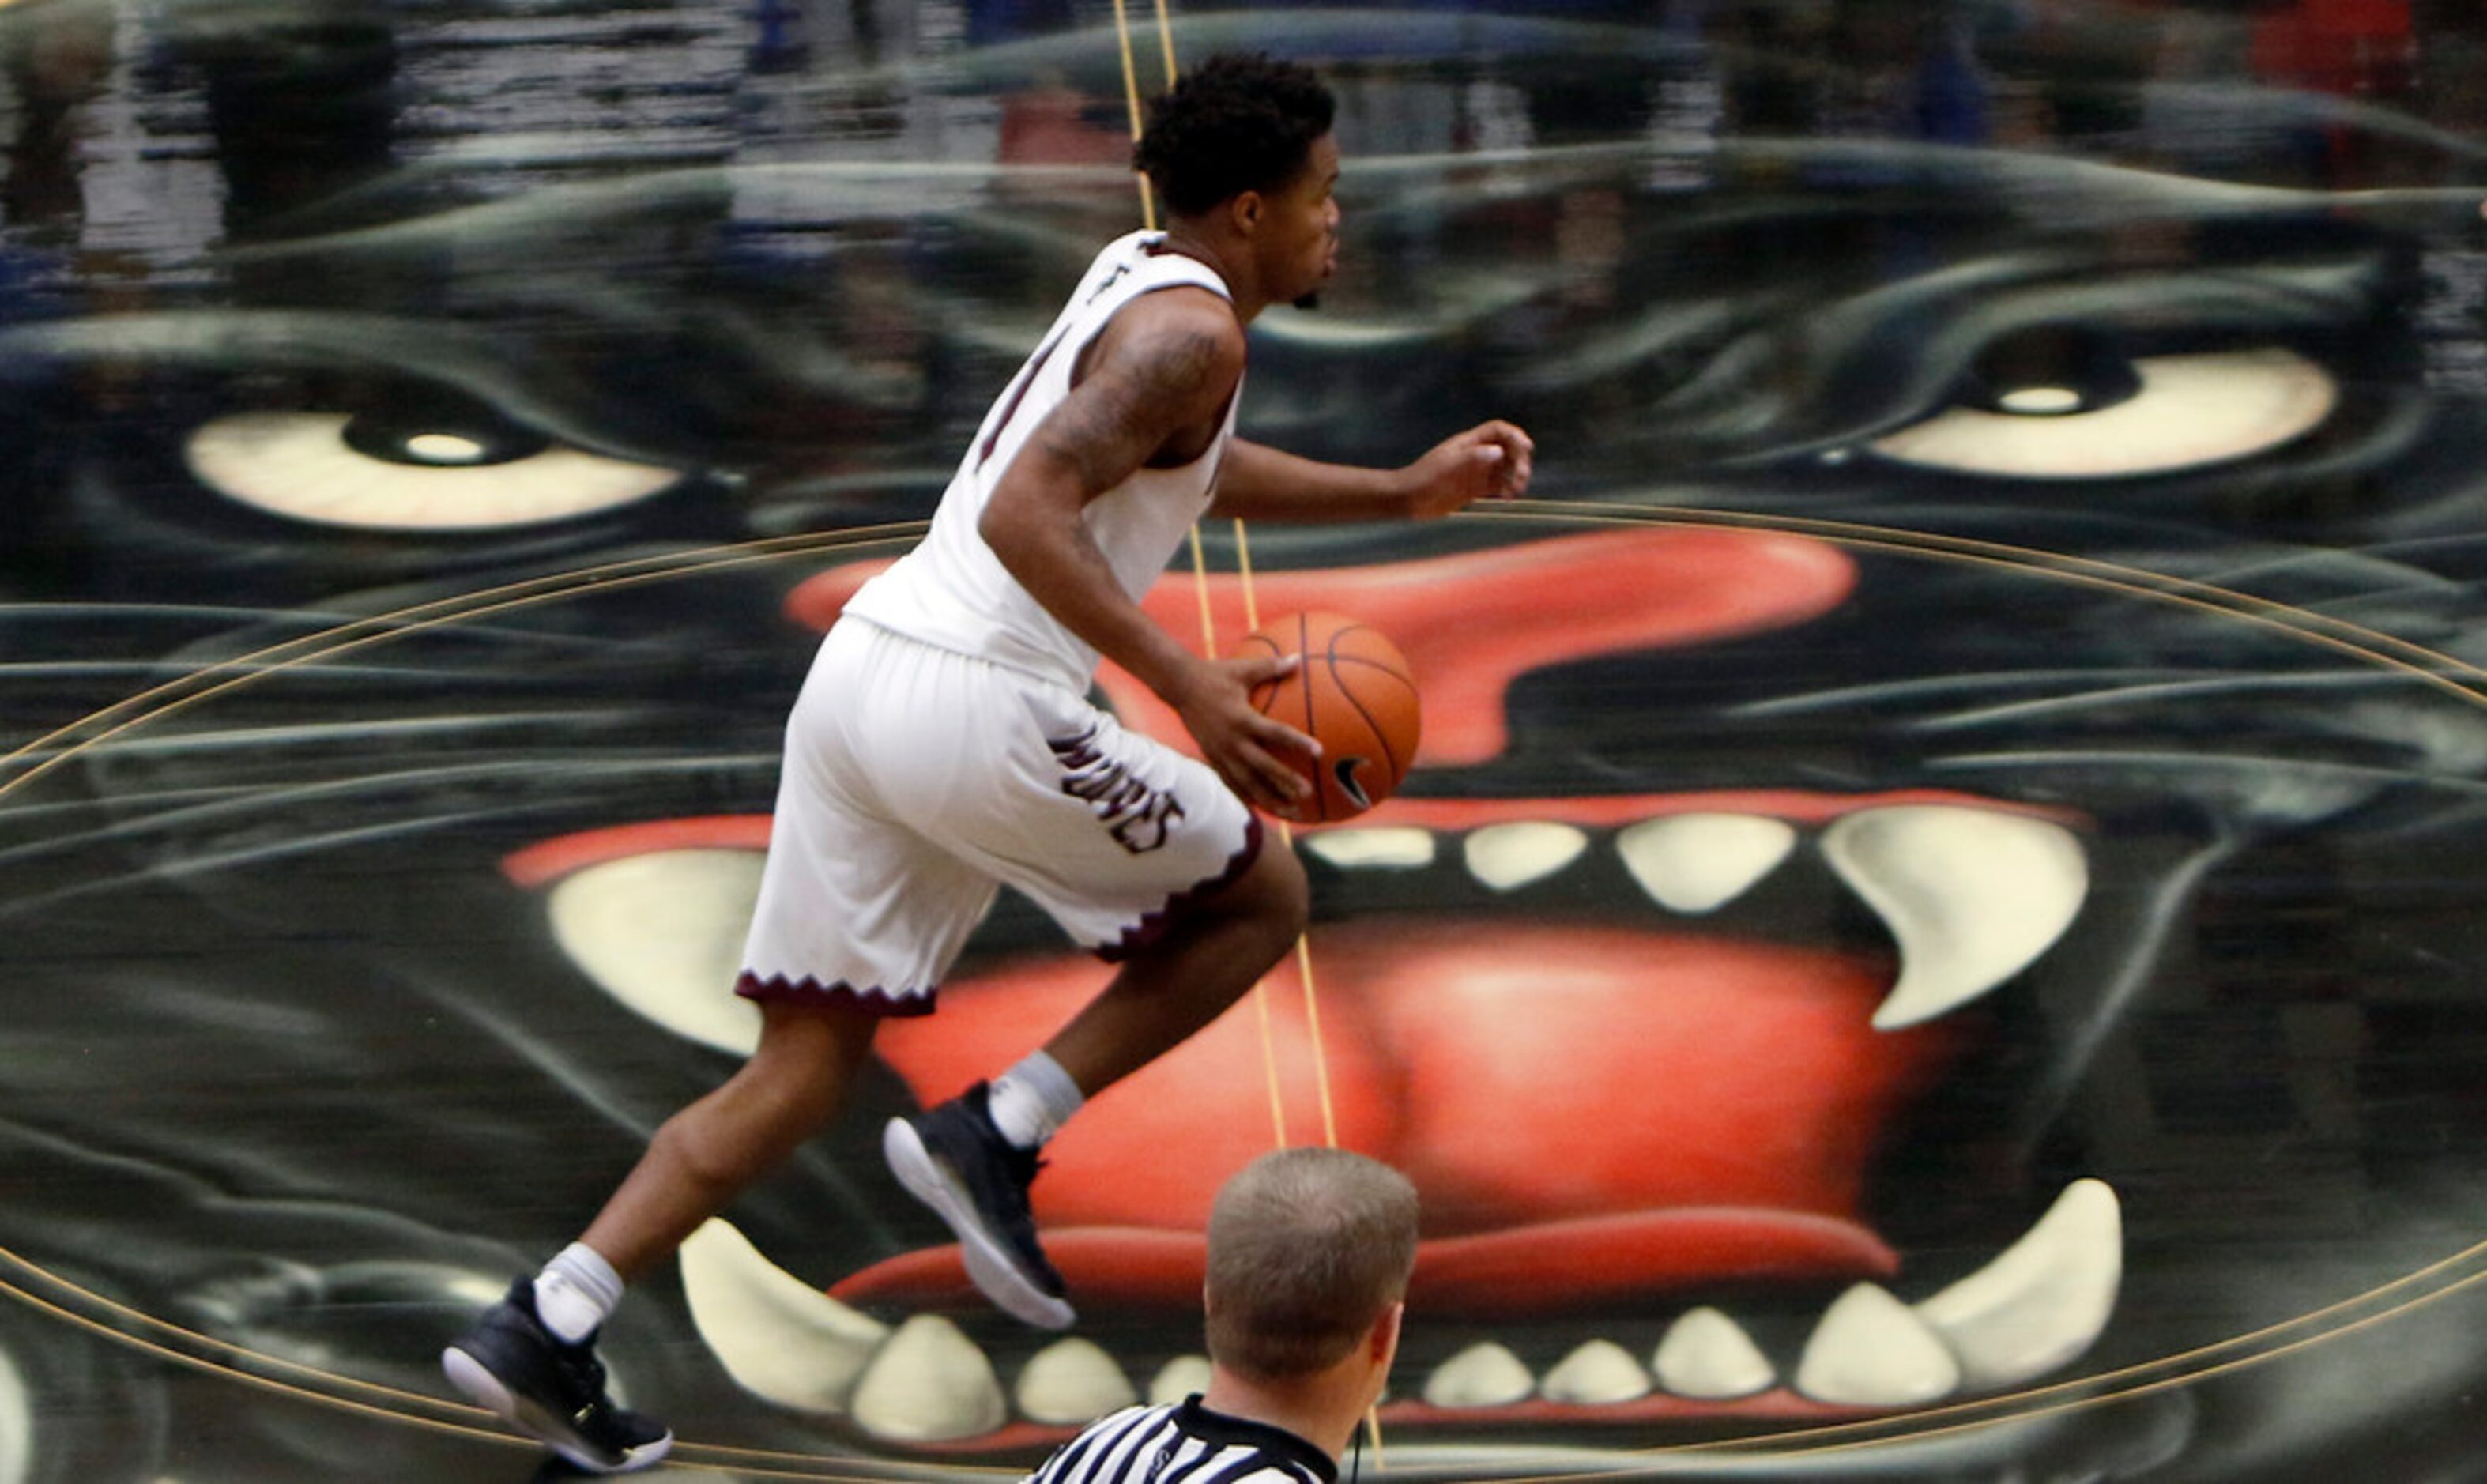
pixel 1146 392
pixel 1147 387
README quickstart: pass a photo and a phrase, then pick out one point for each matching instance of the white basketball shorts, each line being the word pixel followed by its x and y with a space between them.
pixel 916 780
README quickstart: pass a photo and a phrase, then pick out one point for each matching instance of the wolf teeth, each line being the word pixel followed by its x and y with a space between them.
pixel 1971 896
pixel 1696 863
pixel 1508 856
pixel 1871 1350
pixel 2035 1306
pixel 1708 1357
pixel 2045 1299
pixel 1073 1383
pixel 663 933
pixel 1390 847
pixel 781 1340
pixel 1483 1375
pixel 1599 1373
pixel 1177 1379
pixel 929 1383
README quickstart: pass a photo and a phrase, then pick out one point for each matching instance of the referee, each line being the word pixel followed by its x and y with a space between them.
pixel 1309 1253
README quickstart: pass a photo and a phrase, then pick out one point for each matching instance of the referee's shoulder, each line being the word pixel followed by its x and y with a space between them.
pixel 1082 1458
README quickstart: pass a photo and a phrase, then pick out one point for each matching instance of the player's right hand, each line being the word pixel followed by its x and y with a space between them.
pixel 1248 749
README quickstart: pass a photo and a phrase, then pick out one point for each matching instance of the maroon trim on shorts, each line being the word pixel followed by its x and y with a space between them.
pixel 810 994
pixel 1153 926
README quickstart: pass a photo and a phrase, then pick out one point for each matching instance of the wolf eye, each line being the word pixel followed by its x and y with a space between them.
pixel 2059 402
pixel 418 473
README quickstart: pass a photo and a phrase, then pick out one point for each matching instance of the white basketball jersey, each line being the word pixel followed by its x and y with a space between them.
pixel 953 591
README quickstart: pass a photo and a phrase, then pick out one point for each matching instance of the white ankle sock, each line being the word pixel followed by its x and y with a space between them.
pixel 1033 1100
pixel 575 1293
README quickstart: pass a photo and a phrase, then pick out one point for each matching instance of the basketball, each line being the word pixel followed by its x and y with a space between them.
pixel 1354 694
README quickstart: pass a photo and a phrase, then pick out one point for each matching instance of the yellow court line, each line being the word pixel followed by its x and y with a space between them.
pixel 234 1354
pixel 438 613
pixel 1772 1446
pixel 228 1368
pixel 1199 560
pixel 1303 940
pixel 1286 833
pixel 2155 1374
pixel 2128 1393
pixel 271 1383
pixel 1165 41
pixel 1132 101
pixel 2431 666
pixel 1209 647
pixel 2004 1409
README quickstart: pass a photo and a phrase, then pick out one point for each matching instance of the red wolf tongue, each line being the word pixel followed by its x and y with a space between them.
pixel 1586 1111
pixel 1592 1262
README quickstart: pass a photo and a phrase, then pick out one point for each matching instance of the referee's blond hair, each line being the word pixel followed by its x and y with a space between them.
pixel 1306 1249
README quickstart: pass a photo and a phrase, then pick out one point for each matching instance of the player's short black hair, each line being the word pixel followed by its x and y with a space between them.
pixel 1237 122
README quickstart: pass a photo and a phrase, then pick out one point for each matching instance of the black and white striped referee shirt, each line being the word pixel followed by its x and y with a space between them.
pixel 1185 1443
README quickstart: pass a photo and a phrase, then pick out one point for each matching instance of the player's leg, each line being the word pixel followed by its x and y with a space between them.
pixel 704 1156
pixel 857 918
pixel 1145 855
pixel 972 1159
pixel 1214 949
pixel 530 1358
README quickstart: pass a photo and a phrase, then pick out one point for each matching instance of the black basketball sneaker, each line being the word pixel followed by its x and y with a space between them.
pixel 509 1363
pixel 952 1159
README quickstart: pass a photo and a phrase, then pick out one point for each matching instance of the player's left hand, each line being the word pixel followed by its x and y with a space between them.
pixel 1489 461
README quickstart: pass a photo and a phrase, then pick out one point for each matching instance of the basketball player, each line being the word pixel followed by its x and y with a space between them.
pixel 943 743
pixel 1310 1254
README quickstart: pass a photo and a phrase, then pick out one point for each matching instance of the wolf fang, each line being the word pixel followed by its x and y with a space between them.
pixel 1129 809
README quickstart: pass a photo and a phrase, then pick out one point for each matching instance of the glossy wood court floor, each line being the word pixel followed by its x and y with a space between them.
pixel 1936 930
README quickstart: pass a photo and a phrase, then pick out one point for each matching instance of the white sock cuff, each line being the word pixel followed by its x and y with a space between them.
pixel 577 1292
pixel 1033 1100
pixel 1051 1084
pixel 586 1267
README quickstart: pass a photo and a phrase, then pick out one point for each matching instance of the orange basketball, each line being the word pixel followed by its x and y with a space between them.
pixel 1354 694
